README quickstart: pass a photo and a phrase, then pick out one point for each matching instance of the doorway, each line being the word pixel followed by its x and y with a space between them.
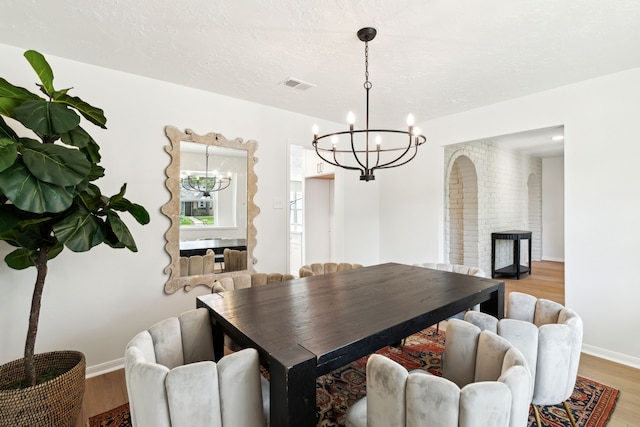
pixel 311 205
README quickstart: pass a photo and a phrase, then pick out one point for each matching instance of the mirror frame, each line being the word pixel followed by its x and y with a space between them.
pixel 172 208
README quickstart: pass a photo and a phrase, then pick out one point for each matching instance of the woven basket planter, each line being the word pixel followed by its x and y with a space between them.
pixel 57 402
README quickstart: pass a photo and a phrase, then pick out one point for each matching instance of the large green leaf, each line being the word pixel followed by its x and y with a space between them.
pixel 55 164
pixel 76 137
pixel 12 96
pixel 6 131
pixel 32 195
pixel 8 105
pixel 89 112
pixel 23 258
pixel 8 153
pixel 80 231
pixel 47 118
pixel 117 197
pixel 138 212
pixel 96 172
pixel 119 228
pixel 36 235
pixel 42 68
pixel 20 259
pixel 92 151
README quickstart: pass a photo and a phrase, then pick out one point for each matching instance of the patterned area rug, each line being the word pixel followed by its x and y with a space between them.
pixel 591 402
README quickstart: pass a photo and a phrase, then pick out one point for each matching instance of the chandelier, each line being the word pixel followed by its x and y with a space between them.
pixel 205 185
pixel 369 150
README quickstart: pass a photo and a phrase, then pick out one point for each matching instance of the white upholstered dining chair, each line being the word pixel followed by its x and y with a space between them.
pixel 549 336
pixel 319 268
pixel 485 382
pixel 454 268
pixel 172 380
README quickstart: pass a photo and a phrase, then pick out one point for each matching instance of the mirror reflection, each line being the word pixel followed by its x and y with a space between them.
pixel 213 208
pixel 212 184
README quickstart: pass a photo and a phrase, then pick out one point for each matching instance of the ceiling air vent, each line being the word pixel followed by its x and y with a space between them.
pixel 296 84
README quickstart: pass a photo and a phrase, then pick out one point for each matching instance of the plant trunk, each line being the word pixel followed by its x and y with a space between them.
pixel 34 315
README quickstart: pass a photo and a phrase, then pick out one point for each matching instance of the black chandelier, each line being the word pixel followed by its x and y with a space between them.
pixel 205 185
pixel 367 157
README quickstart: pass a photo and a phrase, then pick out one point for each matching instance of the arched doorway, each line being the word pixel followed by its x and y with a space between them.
pixel 462 203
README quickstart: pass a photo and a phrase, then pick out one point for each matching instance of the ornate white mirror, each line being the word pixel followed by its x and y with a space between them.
pixel 212 183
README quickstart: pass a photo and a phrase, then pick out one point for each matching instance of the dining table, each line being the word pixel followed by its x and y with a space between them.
pixel 307 327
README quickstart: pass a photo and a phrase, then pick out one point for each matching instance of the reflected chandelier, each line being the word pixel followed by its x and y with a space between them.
pixel 368 158
pixel 206 184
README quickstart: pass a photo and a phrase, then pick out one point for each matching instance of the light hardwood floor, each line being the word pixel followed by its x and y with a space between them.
pixel 547 281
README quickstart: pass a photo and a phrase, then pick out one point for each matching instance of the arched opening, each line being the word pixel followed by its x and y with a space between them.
pixel 462 190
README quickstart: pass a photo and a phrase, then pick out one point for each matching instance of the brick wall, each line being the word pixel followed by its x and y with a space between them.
pixel 488 189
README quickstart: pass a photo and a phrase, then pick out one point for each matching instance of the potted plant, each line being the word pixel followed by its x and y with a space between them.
pixel 48 201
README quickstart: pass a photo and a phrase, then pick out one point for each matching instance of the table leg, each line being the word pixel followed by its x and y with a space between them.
pixel 218 341
pixel 516 257
pixel 530 269
pixel 495 306
pixel 493 255
pixel 293 394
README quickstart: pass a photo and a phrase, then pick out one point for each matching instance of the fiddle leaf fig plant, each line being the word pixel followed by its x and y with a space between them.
pixel 48 198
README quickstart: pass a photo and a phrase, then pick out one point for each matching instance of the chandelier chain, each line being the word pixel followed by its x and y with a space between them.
pixel 367 83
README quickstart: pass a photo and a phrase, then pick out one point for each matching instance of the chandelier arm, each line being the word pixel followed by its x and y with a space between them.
pixel 392 165
pixel 353 150
pixel 382 166
pixel 377 157
pixel 335 163
pixel 228 183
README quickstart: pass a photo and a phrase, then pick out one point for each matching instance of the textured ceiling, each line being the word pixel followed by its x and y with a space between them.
pixel 431 58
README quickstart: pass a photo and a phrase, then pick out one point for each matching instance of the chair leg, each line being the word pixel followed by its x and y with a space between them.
pixel 571 419
pixel 566 408
pixel 438 328
pixel 537 415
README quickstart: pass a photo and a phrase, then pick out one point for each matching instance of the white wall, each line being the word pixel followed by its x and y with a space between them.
pixel 553 209
pixel 601 201
pixel 96 301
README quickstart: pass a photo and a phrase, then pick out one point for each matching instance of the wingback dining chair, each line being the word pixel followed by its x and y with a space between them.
pixel 549 335
pixel 172 380
pixel 234 260
pixel 319 268
pixel 454 268
pixel 485 382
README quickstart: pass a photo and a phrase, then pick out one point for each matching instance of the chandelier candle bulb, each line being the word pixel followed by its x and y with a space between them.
pixel 315 131
pixel 410 120
pixel 359 156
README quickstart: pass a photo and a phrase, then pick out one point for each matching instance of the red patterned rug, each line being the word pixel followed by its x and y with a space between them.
pixel 591 402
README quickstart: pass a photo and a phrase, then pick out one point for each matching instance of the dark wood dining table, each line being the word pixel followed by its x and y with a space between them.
pixel 307 327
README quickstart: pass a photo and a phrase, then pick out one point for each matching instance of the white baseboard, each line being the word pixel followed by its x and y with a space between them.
pixel 613 356
pixel 104 368
pixel 549 258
